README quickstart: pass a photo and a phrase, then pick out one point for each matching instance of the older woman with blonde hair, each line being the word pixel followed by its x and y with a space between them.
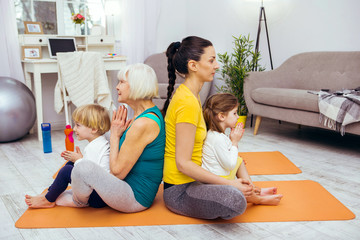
pixel 136 149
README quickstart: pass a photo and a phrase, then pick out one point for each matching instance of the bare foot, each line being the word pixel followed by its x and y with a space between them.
pixel 268 191
pixel 38 201
pixel 271 199
pixel 264 200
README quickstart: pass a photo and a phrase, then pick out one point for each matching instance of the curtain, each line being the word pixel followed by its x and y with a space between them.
pixel 139 29
pixel 10 57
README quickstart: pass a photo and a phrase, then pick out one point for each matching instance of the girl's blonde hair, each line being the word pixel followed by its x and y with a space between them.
pixel 218 103
pixel 93 116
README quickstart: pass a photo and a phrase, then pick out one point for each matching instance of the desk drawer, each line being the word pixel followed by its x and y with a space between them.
pixel 101 40
pixel 34 40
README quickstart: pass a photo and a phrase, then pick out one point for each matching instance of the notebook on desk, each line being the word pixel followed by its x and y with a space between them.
pixel 61 45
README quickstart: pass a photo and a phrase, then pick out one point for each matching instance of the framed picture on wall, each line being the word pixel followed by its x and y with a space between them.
pixel 33 27
pixel 31 52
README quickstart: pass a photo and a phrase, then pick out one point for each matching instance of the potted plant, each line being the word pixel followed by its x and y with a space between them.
pixel 236 67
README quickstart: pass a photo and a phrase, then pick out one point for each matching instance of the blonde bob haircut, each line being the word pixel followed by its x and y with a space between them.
pixel 93 116
pixel 142 81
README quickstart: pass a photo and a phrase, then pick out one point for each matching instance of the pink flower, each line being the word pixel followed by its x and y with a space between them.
pixel 77 18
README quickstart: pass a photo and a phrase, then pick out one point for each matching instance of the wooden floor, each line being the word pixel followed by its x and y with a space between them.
pixel 322 155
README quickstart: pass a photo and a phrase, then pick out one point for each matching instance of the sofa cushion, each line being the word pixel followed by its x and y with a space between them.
pixel 286 98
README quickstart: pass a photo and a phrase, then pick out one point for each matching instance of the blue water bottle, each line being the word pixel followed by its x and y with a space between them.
pixel 46 134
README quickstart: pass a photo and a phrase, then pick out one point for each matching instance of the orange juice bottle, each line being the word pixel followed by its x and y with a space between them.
pixel 69 140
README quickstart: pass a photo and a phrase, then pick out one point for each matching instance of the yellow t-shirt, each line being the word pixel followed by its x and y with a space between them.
pixel 183 108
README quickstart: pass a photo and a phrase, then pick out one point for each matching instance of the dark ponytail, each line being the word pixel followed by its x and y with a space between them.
pixel 179 54
pixel 170 52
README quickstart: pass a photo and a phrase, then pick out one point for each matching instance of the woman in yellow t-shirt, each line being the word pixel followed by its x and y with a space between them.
pixel 189 189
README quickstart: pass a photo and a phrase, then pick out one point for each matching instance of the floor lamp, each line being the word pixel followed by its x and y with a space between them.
pixel 262 17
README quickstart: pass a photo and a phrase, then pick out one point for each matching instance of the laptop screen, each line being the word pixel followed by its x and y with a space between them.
pixel 61 45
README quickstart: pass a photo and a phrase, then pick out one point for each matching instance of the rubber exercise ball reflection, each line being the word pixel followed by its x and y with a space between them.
pixel 17 109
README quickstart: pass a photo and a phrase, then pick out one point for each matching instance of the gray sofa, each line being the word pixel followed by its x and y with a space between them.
pixel 282 93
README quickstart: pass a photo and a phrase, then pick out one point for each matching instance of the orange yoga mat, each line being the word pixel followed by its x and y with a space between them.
pixel 268 163
pixel 302 201
pixel 263 163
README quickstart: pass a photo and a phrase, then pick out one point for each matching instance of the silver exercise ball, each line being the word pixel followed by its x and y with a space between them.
pixel 17 109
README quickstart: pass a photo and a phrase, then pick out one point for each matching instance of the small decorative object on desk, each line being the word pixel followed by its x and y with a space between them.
pixel 78 19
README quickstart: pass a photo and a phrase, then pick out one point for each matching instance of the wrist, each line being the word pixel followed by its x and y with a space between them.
pixel 114 137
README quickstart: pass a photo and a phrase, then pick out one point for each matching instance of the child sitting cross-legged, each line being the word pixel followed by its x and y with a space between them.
pixel 92 121
pixel 220 152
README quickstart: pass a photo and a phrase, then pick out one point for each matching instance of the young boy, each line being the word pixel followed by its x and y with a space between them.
pixel 92 121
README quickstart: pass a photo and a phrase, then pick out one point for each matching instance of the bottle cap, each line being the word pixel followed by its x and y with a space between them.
pixel 46 126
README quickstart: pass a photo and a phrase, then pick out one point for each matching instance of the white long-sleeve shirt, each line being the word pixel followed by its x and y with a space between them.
pixel 219 156
pixel 97 151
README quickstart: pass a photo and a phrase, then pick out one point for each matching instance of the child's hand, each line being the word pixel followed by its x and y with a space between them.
pixel 243 185
pixel 72 156
pixel 236 134
pixel 119 123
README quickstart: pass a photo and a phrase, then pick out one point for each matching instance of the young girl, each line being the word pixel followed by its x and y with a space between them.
pixel 220 153
pixel 91 122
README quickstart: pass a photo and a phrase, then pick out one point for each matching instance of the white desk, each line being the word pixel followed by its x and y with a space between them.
pixel 38 67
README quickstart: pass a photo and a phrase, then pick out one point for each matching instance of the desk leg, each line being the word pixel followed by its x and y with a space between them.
pixel 38 99
pixel 27 76
pixel 27 79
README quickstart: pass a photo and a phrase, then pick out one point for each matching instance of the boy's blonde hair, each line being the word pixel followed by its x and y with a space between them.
pixel 218 103
pixel 93 116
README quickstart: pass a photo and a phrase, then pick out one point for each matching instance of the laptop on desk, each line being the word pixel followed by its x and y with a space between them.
pixel 61 45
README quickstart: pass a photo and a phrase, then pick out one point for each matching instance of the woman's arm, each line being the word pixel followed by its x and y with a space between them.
pixel 142 132
pixel 118 126
pixel 185 139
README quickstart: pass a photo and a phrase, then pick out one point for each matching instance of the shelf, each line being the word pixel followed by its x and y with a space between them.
pixel 102 44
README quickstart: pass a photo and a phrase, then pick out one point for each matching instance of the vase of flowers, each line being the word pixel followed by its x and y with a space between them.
pixel 78 19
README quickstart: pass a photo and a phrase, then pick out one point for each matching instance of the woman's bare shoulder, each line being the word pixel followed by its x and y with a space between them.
pixel 144 125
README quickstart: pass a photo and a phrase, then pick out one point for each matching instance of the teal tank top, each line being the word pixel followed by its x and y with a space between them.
pixel 146 175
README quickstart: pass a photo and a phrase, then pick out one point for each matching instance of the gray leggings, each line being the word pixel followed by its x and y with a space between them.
pixel 206 201
pixel 117 194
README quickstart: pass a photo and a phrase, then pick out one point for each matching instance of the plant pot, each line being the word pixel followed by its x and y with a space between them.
pixel 242 119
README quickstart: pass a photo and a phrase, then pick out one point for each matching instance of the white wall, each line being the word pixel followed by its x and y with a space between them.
pixel 294 26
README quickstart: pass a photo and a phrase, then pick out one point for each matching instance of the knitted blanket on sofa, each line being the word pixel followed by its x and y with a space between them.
pixel 339 109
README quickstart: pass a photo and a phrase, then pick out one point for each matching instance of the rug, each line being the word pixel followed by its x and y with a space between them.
pixel 303 200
